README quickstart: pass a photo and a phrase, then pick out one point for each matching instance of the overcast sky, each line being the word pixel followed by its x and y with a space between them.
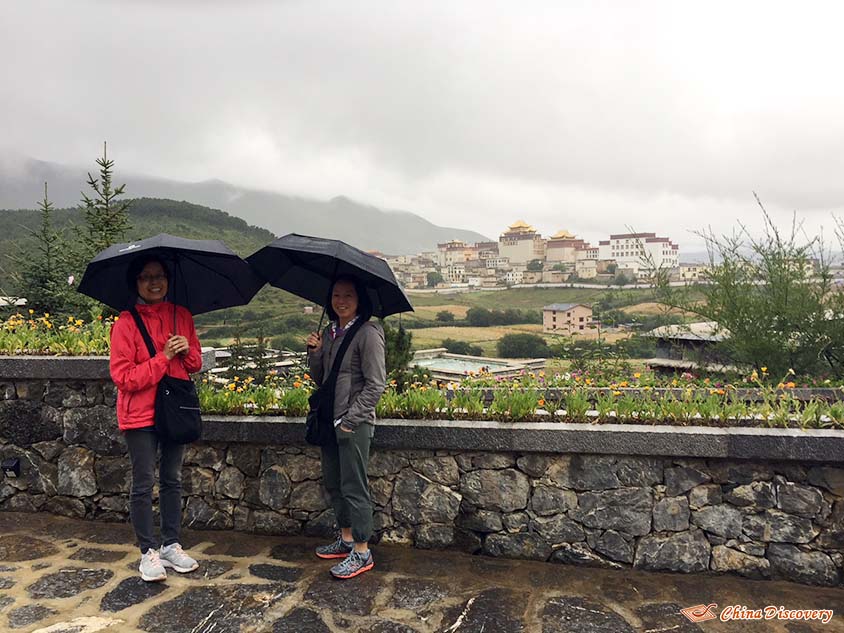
pixel 589 116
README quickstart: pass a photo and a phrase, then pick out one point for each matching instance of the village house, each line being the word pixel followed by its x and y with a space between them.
pixel 566 318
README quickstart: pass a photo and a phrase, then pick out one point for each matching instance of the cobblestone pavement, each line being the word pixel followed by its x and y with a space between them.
pixel 68 576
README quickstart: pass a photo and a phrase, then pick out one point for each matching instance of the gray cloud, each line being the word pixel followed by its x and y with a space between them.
pixel 585 115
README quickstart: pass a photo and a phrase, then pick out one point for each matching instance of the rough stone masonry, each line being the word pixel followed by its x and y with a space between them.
pixel 759 519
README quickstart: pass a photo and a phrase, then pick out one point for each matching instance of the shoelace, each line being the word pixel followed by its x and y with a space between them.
pixel 154 558
pixel 355 558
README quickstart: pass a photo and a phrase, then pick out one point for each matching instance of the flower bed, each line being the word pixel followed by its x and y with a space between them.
pixel 766 406
pixel 30 334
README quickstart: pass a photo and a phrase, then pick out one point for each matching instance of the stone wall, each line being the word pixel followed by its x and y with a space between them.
pixel 608 507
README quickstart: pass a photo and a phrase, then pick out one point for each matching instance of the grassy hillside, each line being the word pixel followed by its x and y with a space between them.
pixel 149 216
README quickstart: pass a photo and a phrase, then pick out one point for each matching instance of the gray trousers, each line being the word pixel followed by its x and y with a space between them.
pixel 344 477
pixel 143 446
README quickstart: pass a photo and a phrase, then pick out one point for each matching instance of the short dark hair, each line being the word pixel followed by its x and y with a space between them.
pixel 138 265
pixel 364 302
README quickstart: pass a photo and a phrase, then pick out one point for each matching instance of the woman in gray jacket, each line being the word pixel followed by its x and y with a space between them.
pixel 360 383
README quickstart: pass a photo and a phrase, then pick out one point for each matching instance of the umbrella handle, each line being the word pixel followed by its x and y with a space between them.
pixel 319 327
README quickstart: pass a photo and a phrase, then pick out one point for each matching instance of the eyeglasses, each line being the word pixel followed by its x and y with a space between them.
pixel 148 279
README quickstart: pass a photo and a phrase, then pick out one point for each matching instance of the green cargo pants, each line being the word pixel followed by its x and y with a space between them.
pixel 344 477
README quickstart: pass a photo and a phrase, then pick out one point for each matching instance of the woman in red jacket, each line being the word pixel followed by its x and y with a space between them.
pixel 136 376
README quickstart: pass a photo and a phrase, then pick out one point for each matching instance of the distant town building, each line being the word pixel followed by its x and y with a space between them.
pixel 638 253
pixel 452 252
pixel 455 273
pixel 513 277
pixel 564 247
pixel 586 268
pixel 497 262
pixel 692 272
pixel 521 243
pixel 566 318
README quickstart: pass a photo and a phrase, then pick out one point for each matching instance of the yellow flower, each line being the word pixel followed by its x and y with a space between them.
pixel 637 375
pixel 754 375
pixel 240 390
pixel 32 311
pixel 46 315
pixel 764 370
pixel 236 378
pixel 231 386
pixel 791 372
pixel 780 385
pixel 616 393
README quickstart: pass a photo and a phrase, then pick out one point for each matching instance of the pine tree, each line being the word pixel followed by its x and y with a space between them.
pixel 41 274
pixel 106 217
pixel 398 343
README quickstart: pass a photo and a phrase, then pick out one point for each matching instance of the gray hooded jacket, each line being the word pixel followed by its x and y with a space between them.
pixel 362 376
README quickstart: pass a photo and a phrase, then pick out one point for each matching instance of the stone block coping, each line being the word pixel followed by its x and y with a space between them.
pixel 24 367
pixel 812 445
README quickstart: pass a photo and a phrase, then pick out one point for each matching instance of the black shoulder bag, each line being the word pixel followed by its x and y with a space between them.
pixel 319 426
pixel 177 414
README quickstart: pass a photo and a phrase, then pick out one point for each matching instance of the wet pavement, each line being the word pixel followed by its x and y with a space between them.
pixel 68 576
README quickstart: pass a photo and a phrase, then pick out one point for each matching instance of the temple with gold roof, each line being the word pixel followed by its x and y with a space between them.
pixel 521 243
pixel 564 247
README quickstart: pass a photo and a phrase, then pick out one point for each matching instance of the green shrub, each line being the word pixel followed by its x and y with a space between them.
pixel 522 346
pixel 462 347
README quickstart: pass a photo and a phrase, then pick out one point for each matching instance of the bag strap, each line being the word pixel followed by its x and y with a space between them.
pixel 347 340
pixel 143 330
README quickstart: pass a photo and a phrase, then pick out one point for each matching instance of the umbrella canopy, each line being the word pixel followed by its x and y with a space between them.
pixel 205 274
pixel 307 267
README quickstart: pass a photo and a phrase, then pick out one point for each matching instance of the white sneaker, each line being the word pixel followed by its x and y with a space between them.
pixel 174 556
pixel 151 568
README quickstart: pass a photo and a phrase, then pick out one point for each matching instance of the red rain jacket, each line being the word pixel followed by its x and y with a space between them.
pixel 135 374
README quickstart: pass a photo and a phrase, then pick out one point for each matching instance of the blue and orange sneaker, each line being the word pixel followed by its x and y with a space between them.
pixel 337 549
pixel 355 564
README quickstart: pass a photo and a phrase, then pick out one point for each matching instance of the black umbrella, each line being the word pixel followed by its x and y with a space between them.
pixel 205 274
pixel 307 267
